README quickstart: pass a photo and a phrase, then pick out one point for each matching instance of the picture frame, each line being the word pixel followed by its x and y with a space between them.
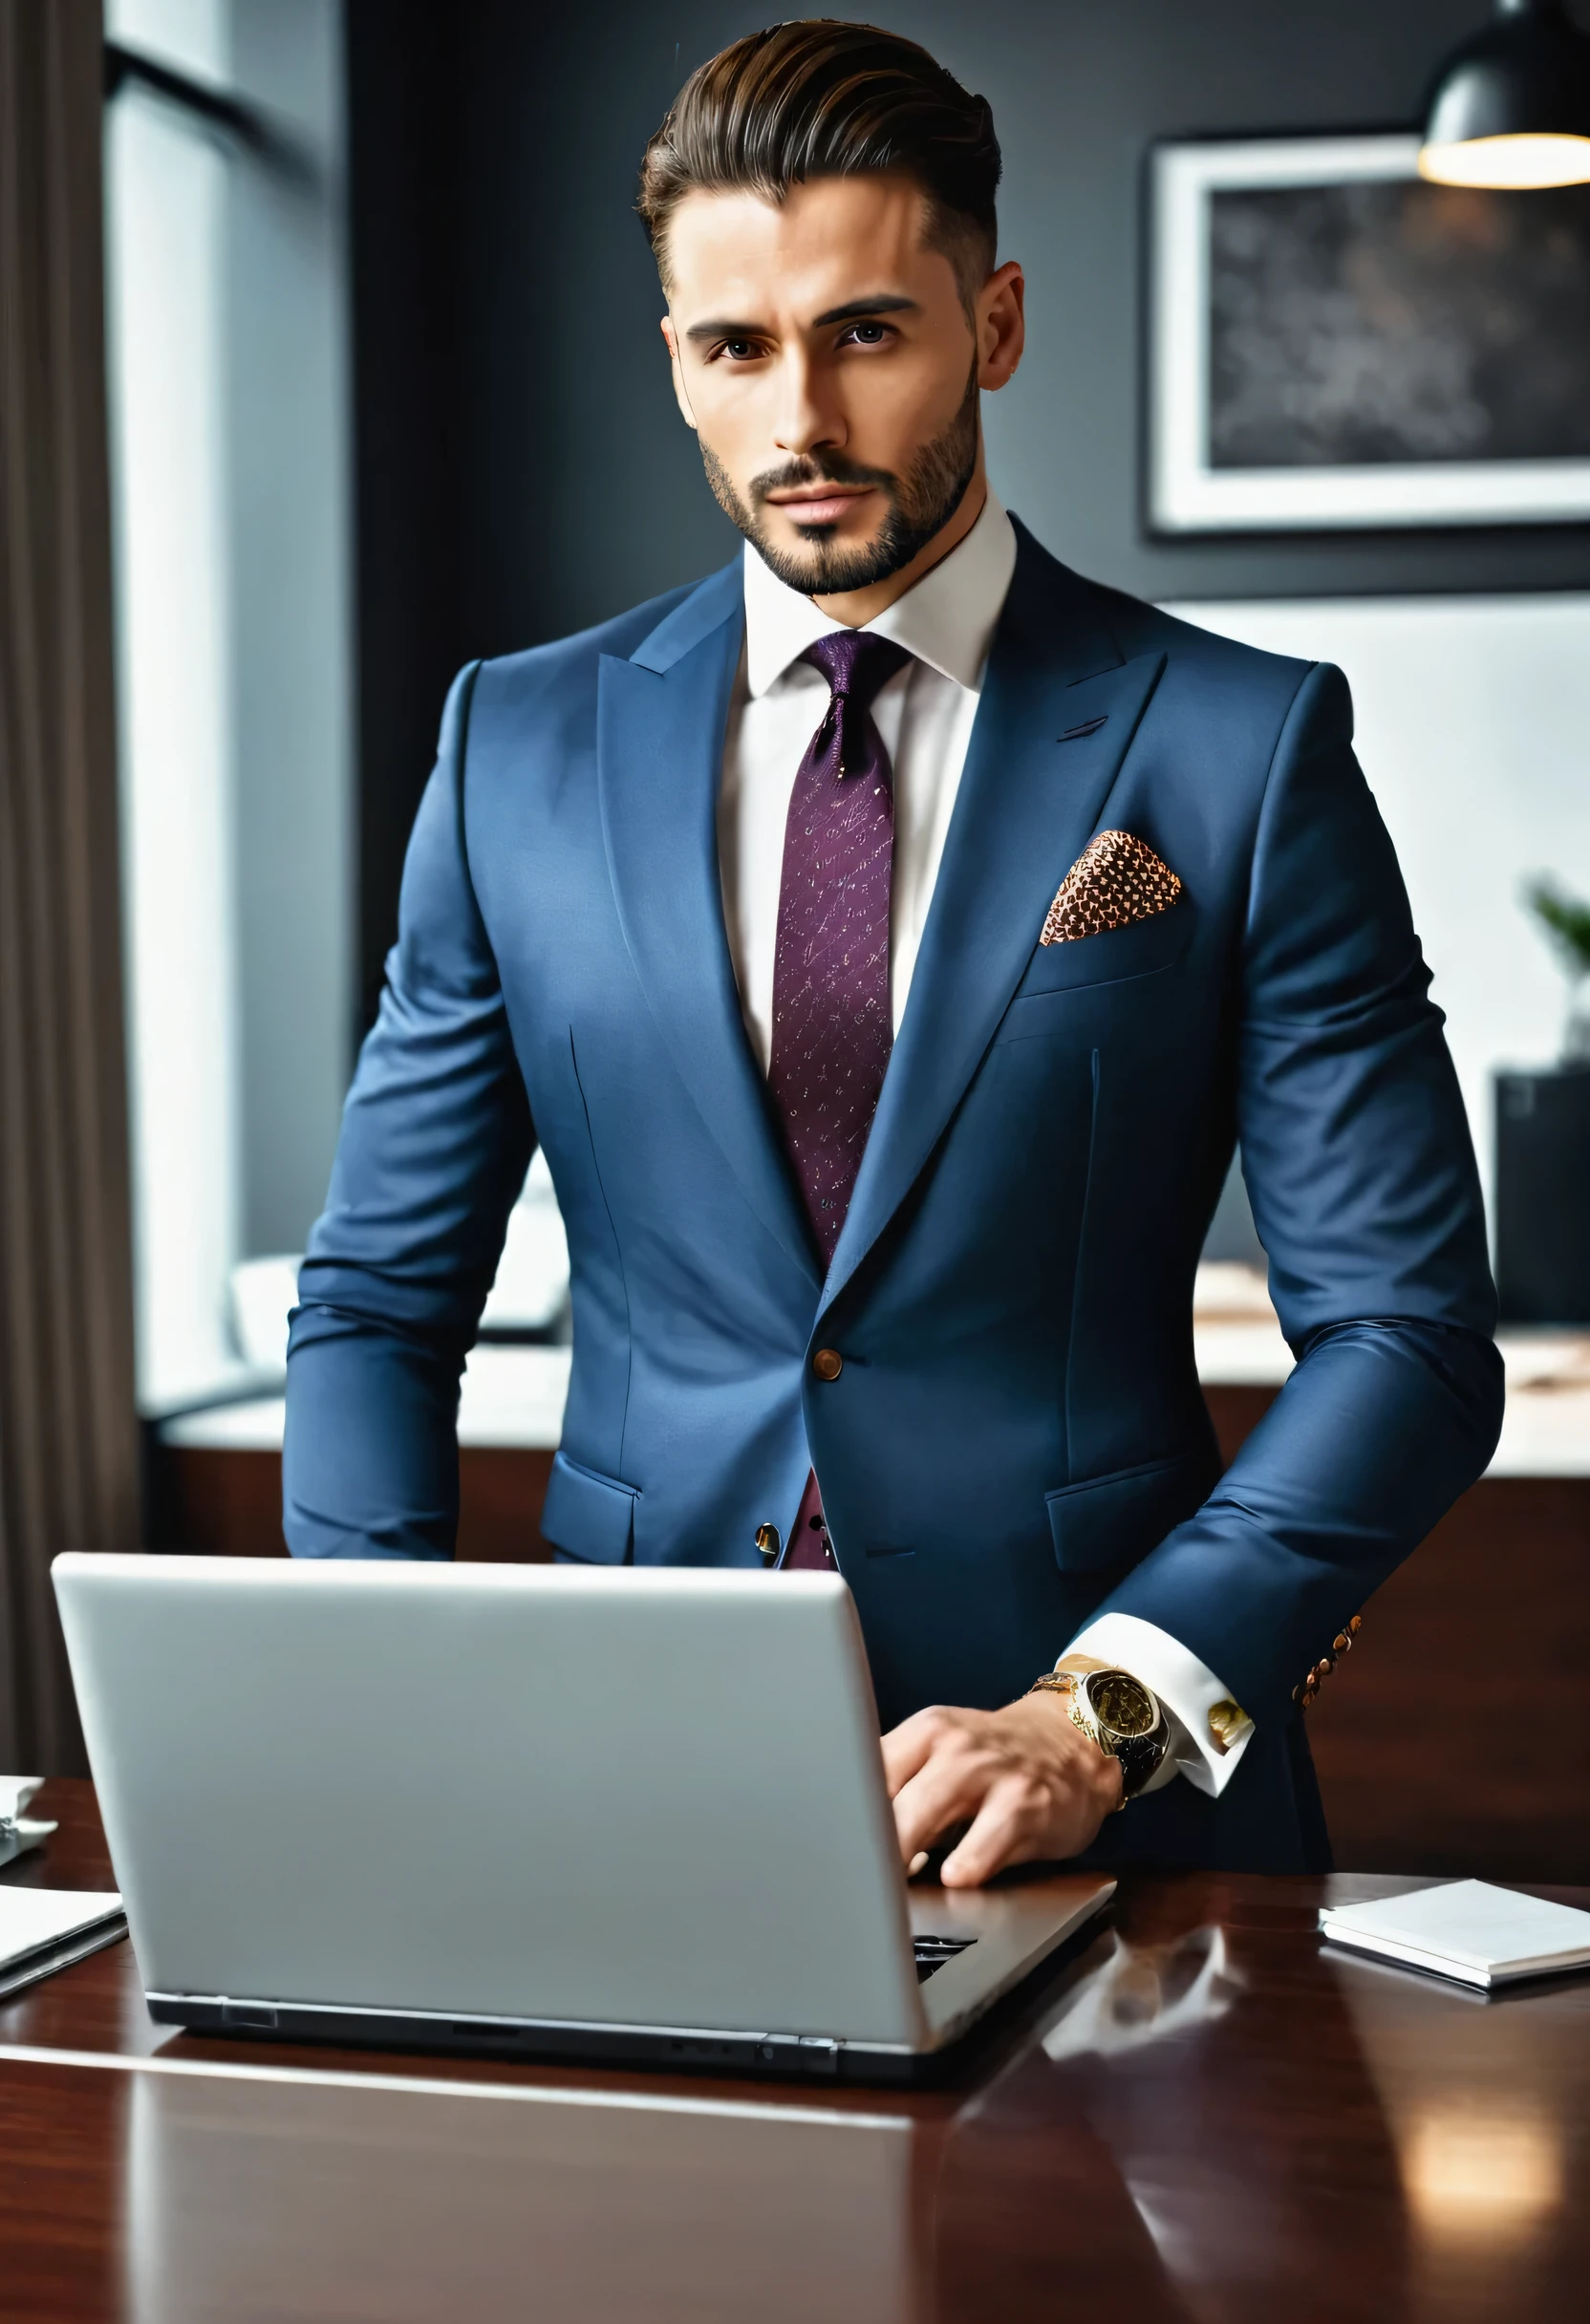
pixel 1333 344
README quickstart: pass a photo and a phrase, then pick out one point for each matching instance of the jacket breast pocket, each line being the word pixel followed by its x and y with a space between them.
pixel 1141 949
pixel 590 1516
pixel 1110 1522
pixel 1117 956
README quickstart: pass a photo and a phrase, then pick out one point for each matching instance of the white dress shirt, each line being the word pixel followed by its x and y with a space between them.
pixel 924 715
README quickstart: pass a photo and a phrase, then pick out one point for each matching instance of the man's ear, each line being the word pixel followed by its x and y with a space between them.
pixel 1001 325
pixel 672 336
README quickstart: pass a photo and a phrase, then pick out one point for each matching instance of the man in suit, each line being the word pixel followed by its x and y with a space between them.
pixel 887 939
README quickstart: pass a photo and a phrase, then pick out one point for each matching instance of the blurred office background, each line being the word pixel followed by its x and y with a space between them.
pixel 386 392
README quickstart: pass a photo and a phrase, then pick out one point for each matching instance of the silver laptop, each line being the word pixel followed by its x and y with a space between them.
pixel 563 1811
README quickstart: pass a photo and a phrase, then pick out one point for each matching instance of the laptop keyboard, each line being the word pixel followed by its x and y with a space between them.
pixel 931 1954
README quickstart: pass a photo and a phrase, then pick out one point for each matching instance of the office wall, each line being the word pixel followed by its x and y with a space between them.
pixel 522 468
pixel 1473 729
pixel 415 355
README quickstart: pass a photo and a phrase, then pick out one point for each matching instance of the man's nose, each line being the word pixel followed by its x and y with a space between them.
pixel 809 419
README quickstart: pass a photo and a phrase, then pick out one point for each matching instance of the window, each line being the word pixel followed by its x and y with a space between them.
pixel 226 291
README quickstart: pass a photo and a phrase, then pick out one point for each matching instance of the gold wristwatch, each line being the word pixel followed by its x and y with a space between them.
pixel 1120 1714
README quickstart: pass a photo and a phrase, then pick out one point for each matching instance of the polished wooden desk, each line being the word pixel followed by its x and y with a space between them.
pixel 1205 2117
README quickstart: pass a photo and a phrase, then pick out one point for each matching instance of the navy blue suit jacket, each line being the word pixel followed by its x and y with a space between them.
pixel 1017 1439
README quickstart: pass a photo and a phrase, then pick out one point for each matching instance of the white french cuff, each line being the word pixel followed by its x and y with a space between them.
pixel 1187 1692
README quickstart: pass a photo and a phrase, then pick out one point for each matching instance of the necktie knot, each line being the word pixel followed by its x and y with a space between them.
pixel 857 665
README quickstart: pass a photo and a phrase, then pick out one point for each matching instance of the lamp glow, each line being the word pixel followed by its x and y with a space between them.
pixel 1509 164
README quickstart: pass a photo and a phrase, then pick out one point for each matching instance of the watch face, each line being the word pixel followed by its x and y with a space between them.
pixel 1120 1704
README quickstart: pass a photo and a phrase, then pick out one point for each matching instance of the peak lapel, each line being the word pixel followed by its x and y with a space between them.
pixel 1028 805
pixel 659 745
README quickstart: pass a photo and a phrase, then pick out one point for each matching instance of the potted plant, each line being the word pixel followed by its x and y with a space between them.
pixel 1543 1146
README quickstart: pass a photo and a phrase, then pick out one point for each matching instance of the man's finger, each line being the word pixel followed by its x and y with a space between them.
pixel 946 1791
pixel 908 1748
pixel 926 1808
pixel 1000 1834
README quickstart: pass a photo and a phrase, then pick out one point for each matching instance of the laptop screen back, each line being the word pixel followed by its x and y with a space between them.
pixel 647 1798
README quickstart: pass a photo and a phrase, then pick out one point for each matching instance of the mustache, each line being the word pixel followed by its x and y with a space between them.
pixel 824 467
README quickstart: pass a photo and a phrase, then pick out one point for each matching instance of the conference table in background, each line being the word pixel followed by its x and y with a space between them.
pixel 1203 2116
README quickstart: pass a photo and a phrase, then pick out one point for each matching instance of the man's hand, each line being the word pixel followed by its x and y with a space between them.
pixel 1029 1783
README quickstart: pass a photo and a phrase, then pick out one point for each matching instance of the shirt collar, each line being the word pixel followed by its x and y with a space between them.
pixel 947 620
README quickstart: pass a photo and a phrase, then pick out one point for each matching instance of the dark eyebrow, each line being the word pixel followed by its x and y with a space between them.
pixel 854 311
pixel 727 331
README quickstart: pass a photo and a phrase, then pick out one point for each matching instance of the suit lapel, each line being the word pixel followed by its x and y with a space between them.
pixel 1028 805
pixel 659 745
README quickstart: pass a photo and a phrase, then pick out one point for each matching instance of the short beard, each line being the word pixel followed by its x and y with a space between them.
pixel 920 503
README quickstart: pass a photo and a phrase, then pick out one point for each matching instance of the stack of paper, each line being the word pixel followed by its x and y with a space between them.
pixel 1466 1929
pixel 43 1930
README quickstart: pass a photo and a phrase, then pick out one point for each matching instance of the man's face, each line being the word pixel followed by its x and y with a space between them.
pixel 825 358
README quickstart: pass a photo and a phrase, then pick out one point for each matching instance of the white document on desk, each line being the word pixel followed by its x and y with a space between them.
pixel 1470 1931
pixel 43 1930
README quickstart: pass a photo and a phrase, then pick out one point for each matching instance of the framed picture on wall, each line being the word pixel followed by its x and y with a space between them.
pixel 1334 343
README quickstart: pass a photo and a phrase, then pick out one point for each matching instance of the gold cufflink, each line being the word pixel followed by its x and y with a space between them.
pixel 768 1543
pixel 1226 1722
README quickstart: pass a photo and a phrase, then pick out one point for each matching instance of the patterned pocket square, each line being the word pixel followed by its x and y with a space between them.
pixel 1115 880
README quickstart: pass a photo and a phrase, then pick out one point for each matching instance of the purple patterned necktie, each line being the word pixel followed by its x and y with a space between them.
pixel 832 1029
pixel 832 1024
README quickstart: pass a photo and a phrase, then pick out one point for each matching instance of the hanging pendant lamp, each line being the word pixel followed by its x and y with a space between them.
pixel 1511 107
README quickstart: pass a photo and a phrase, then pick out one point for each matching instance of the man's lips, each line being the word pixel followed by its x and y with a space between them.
pixel 820 505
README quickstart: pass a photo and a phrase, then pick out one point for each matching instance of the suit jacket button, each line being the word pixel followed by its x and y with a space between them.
pixel 827 1364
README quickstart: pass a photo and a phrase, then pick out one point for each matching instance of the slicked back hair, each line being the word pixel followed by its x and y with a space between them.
pixel 820 98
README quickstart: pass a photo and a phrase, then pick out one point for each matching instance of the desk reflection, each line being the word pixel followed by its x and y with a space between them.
pixel 1141 1994
pixel 257 2199
pixel 1491 2132
pixel 1190 2127
pixel 1206 2119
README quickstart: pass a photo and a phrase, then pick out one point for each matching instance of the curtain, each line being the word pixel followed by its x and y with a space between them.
pixel 69 1443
